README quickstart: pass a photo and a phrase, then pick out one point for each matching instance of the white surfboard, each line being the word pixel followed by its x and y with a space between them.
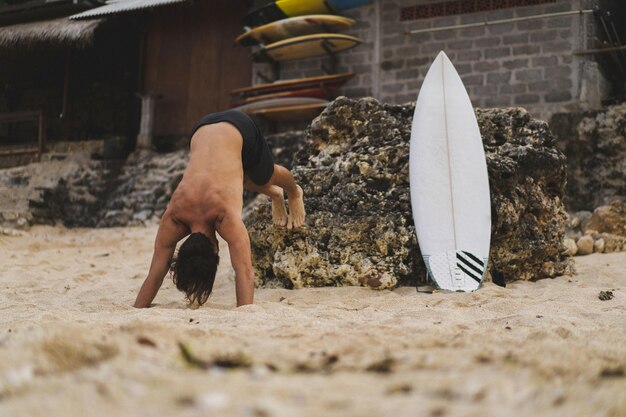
pixel 448 180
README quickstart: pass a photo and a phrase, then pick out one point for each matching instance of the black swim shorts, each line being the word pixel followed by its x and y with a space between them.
pixel 258 163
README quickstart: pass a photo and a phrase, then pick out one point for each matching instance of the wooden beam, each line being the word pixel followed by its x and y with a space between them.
pixel 37 116
pixel 19 116
pixel 601 50
pixel 66 83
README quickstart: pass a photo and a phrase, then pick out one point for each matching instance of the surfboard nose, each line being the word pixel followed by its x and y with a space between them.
pixel 442 55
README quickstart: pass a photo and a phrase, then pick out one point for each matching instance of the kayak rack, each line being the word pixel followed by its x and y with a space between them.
pixel 600 50
pixel 329 69
pixel 275 67
pixel 332 56
pixel 613 44
pixel 501 21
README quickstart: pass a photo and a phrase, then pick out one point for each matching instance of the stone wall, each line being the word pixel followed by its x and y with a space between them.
pixel 528 64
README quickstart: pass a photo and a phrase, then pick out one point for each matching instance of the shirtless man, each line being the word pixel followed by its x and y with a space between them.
pixel 227 153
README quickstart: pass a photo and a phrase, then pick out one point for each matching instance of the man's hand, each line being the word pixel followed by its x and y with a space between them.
pixel 168 235
pixel 158 269
pixel 234 232
pixel 148 291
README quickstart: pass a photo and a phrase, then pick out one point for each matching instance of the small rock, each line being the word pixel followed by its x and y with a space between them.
pixel 605 295
pixel 573 234
pixel 585 245
pixel 142 216
pixel 213 401
pixel 598 246
pixel 11 232
pixel 609 219
pixel 583 218
pixel 570 247
pixel 383 366
pixel 399 389
pixel 612 372
pixel 613 243
pixel 573 222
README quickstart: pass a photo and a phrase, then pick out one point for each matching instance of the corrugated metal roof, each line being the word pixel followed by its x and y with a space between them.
pixel 122 6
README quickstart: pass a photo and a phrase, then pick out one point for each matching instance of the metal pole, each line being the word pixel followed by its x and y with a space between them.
pixel 146 126
pixel 376 90
pixel 66 83
pixel 611 42
pixel 600 51
pixel 499 22
pixel 617 38
pixel 42 134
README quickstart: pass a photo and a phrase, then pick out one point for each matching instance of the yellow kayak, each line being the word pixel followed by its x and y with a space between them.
pixel 294 26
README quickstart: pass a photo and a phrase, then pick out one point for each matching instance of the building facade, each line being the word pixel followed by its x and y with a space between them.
pixel 86 76
pixel 532 63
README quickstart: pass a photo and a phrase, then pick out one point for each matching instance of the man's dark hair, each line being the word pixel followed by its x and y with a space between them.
pixel 193 269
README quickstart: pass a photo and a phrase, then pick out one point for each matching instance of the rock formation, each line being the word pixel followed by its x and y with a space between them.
pixel 52 190
pixel 147 180
pixel 354 172
pixel 609 219
pixel 595 145
pixel 606 227
pixel 143 189
pixel 80 191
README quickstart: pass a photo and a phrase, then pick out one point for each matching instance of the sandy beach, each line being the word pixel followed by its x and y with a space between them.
pixel 71 344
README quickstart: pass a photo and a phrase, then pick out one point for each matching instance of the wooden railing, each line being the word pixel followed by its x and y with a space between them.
pixel 37 116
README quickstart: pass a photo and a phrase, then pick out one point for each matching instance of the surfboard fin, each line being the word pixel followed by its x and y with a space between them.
pixel 498 277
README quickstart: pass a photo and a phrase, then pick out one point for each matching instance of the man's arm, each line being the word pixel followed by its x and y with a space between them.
pixel 164 245
pixel 234 232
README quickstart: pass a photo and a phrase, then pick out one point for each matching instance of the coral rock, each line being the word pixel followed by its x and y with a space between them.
pixel 354 173
pixel 595 145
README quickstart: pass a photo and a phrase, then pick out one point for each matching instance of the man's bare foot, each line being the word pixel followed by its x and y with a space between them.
pixel 279 211
pixel 296 209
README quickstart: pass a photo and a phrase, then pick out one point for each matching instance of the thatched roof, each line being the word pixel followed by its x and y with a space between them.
pixel 57 31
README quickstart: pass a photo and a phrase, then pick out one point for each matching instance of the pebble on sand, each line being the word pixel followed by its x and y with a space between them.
pixel 598 245
pixel 585 245
pixel 570 247
pixel 605 295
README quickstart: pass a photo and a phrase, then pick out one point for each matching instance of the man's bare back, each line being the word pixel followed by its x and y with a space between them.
pixel 209 200
pixel 212 185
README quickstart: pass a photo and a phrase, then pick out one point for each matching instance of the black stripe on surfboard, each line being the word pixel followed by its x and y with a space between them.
pixel 475 259
pixel 468 263
pixel 477 279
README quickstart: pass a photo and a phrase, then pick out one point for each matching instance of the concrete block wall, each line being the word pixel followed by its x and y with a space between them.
pixel 529 64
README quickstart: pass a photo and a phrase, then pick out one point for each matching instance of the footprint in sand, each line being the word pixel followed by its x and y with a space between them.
pixel 83 278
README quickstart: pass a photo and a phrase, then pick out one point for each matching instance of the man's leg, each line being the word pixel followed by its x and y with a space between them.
pixel 279 212
pixel 284 179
